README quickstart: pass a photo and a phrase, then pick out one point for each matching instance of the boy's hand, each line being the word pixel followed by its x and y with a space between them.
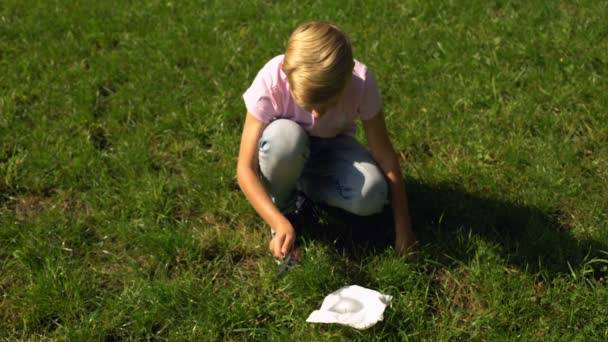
pixel 282 241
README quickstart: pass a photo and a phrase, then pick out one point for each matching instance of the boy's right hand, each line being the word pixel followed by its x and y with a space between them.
pixel 282 241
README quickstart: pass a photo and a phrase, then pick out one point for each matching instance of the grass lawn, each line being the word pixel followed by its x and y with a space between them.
pixel 120 217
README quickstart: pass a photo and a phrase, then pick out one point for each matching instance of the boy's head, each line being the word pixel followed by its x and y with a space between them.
pixel 318 64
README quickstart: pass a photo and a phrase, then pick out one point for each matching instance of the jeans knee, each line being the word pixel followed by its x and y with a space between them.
pixel 283 151
pixel 284 140
pixel 371 200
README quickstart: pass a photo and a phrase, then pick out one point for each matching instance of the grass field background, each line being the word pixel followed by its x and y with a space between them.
pixel 120 217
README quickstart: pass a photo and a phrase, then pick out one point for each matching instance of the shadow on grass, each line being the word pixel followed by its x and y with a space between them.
pixel 446 219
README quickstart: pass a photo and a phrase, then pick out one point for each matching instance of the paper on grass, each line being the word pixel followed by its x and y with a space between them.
pixel 353 305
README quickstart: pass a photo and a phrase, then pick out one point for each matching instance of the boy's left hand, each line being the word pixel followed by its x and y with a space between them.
pixel 406 246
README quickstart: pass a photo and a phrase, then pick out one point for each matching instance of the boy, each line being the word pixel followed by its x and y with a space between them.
pixel 299 135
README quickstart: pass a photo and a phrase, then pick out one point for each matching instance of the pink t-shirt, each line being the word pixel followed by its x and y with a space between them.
pixel 269 98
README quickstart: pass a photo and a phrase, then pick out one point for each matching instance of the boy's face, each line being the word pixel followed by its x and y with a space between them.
pixel 321 109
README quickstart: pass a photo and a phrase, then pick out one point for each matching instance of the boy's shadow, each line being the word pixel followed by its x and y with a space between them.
pixel 449 222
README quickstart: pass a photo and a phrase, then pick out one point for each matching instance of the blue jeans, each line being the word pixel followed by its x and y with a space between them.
pixel 338 171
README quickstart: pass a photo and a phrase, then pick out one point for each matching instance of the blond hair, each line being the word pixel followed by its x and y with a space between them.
pixel 318 63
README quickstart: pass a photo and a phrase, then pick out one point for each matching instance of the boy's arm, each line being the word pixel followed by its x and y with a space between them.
pixel 384 154
pixel 249 181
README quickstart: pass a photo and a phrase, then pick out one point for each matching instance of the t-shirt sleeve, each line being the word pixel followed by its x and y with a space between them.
pixel 259 99
pixel 371 103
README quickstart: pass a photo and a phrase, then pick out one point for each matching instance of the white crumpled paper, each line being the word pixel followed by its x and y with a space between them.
pixel 353 305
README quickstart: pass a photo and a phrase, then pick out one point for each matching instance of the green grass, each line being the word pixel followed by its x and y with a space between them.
pixel 120 217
